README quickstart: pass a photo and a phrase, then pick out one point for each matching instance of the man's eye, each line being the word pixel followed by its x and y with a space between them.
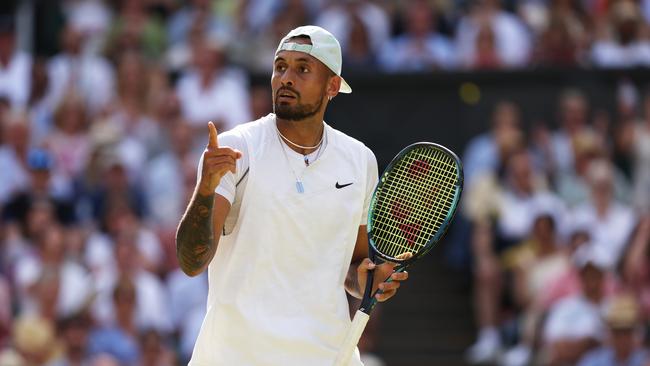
pixel 304 69
pixel 280 67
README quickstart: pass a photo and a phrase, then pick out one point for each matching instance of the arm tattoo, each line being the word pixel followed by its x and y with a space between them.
pixel 195 236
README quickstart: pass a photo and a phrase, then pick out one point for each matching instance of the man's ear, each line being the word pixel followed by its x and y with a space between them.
pixel 333 86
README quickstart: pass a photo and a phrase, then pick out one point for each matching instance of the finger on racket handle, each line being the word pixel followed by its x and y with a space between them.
pixel 354 334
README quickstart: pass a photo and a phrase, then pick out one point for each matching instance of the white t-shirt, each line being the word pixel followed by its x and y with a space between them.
pixel 574 318
pixel 276 284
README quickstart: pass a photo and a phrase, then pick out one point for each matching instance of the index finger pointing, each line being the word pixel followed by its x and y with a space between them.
pixel 213 135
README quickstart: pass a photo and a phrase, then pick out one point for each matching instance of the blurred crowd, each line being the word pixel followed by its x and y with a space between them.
pixel 560 234
pixel 103 111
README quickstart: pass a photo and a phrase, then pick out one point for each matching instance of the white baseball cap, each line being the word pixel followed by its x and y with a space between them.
pixel 324 47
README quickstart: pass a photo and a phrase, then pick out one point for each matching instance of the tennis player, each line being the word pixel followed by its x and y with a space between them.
pixel 278 217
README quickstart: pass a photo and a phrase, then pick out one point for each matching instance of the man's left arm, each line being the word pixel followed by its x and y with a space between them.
pixel 355 282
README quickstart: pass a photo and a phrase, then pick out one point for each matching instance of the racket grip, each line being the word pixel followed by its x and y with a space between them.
pixel 354 334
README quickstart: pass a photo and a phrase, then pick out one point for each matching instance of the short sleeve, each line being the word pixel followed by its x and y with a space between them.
pixel 371 182
pixel 228 184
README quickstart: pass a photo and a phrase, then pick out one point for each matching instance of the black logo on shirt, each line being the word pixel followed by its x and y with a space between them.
pixel 339 186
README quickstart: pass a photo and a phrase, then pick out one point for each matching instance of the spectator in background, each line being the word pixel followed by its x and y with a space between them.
pixel 15 66
pixel 211 91
pixel 69 143
pixel 535 264
pixel 120 337
pixel 35 340
pixel 635 265
pixel 510 36
pixel 485 152
pixel 50 284
pixel 610 222
pixel 641 159
pixel 164 177
pixel 622 44
pixel 502 212
pixel 152 303
pixel 199 14
pixel 564 40
pixel 73 72
pixel 41 104
pixel 339 17
pixel 136 134
pixel 187 304
pixel 624 336
pixel 154 350
pixel 573 185
pixel 359 55
pixel 43 184
pixel 574 325
pixel 135 29
pixel 73 331
pixel 556 47
pixel 420 48
pixel 14 149
pixel 90 17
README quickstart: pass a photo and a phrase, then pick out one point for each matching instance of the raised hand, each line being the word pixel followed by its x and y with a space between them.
pixel 217 161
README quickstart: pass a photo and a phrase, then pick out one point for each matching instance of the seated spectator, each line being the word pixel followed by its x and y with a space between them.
pixel 342 17
pixel 485 152
pixel 164 177
pixel 48 283
pixel 510 37
pixel 197 13
pixel 73 331
pixel 625 45
pixel 14 149
pixel 44 184
pixel 502 213
pixel 573 185
pixel 420 48
pixel 120 337
pixel 359 55
pixel 15 65
pixel 624 336
pixel 35 340
pixel 187 305
pixel 69 143
pixel 535 264
pixel 151 307
pixel 610 222
pixel 73 71
pixel 641 156
pixel 211 91
pixel 635 265
pixel 574 325
pixel 154 351
pixel 136 29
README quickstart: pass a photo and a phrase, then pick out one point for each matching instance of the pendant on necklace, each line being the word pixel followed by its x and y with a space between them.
pixel 306 161
pixel 299 187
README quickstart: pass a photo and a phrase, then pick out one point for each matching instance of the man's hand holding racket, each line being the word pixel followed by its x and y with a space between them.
pixel 216 162
pixel 385 290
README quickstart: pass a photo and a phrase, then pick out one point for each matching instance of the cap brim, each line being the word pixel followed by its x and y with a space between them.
pixel 345 87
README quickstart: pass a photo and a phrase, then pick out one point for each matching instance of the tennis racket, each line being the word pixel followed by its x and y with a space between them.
pixel 411 208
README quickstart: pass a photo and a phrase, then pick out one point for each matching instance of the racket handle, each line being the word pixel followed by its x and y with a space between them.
pixel 354 334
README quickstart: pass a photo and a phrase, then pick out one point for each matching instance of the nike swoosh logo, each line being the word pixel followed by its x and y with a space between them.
pixel 339 186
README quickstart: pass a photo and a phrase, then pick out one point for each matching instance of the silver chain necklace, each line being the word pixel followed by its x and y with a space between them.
pixel 300 188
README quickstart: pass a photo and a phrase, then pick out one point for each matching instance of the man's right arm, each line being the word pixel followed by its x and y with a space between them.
pixel 199 230
pixel 198 233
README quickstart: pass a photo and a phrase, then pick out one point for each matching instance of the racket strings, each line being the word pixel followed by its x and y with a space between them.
pixel 414 201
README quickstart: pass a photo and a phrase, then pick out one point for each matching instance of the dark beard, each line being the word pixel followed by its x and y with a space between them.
pixel 298 112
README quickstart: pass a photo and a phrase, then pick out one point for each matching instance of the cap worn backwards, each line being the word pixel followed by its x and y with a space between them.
pixel 324 47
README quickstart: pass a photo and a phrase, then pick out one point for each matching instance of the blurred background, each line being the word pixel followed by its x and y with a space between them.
pixel 103 111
